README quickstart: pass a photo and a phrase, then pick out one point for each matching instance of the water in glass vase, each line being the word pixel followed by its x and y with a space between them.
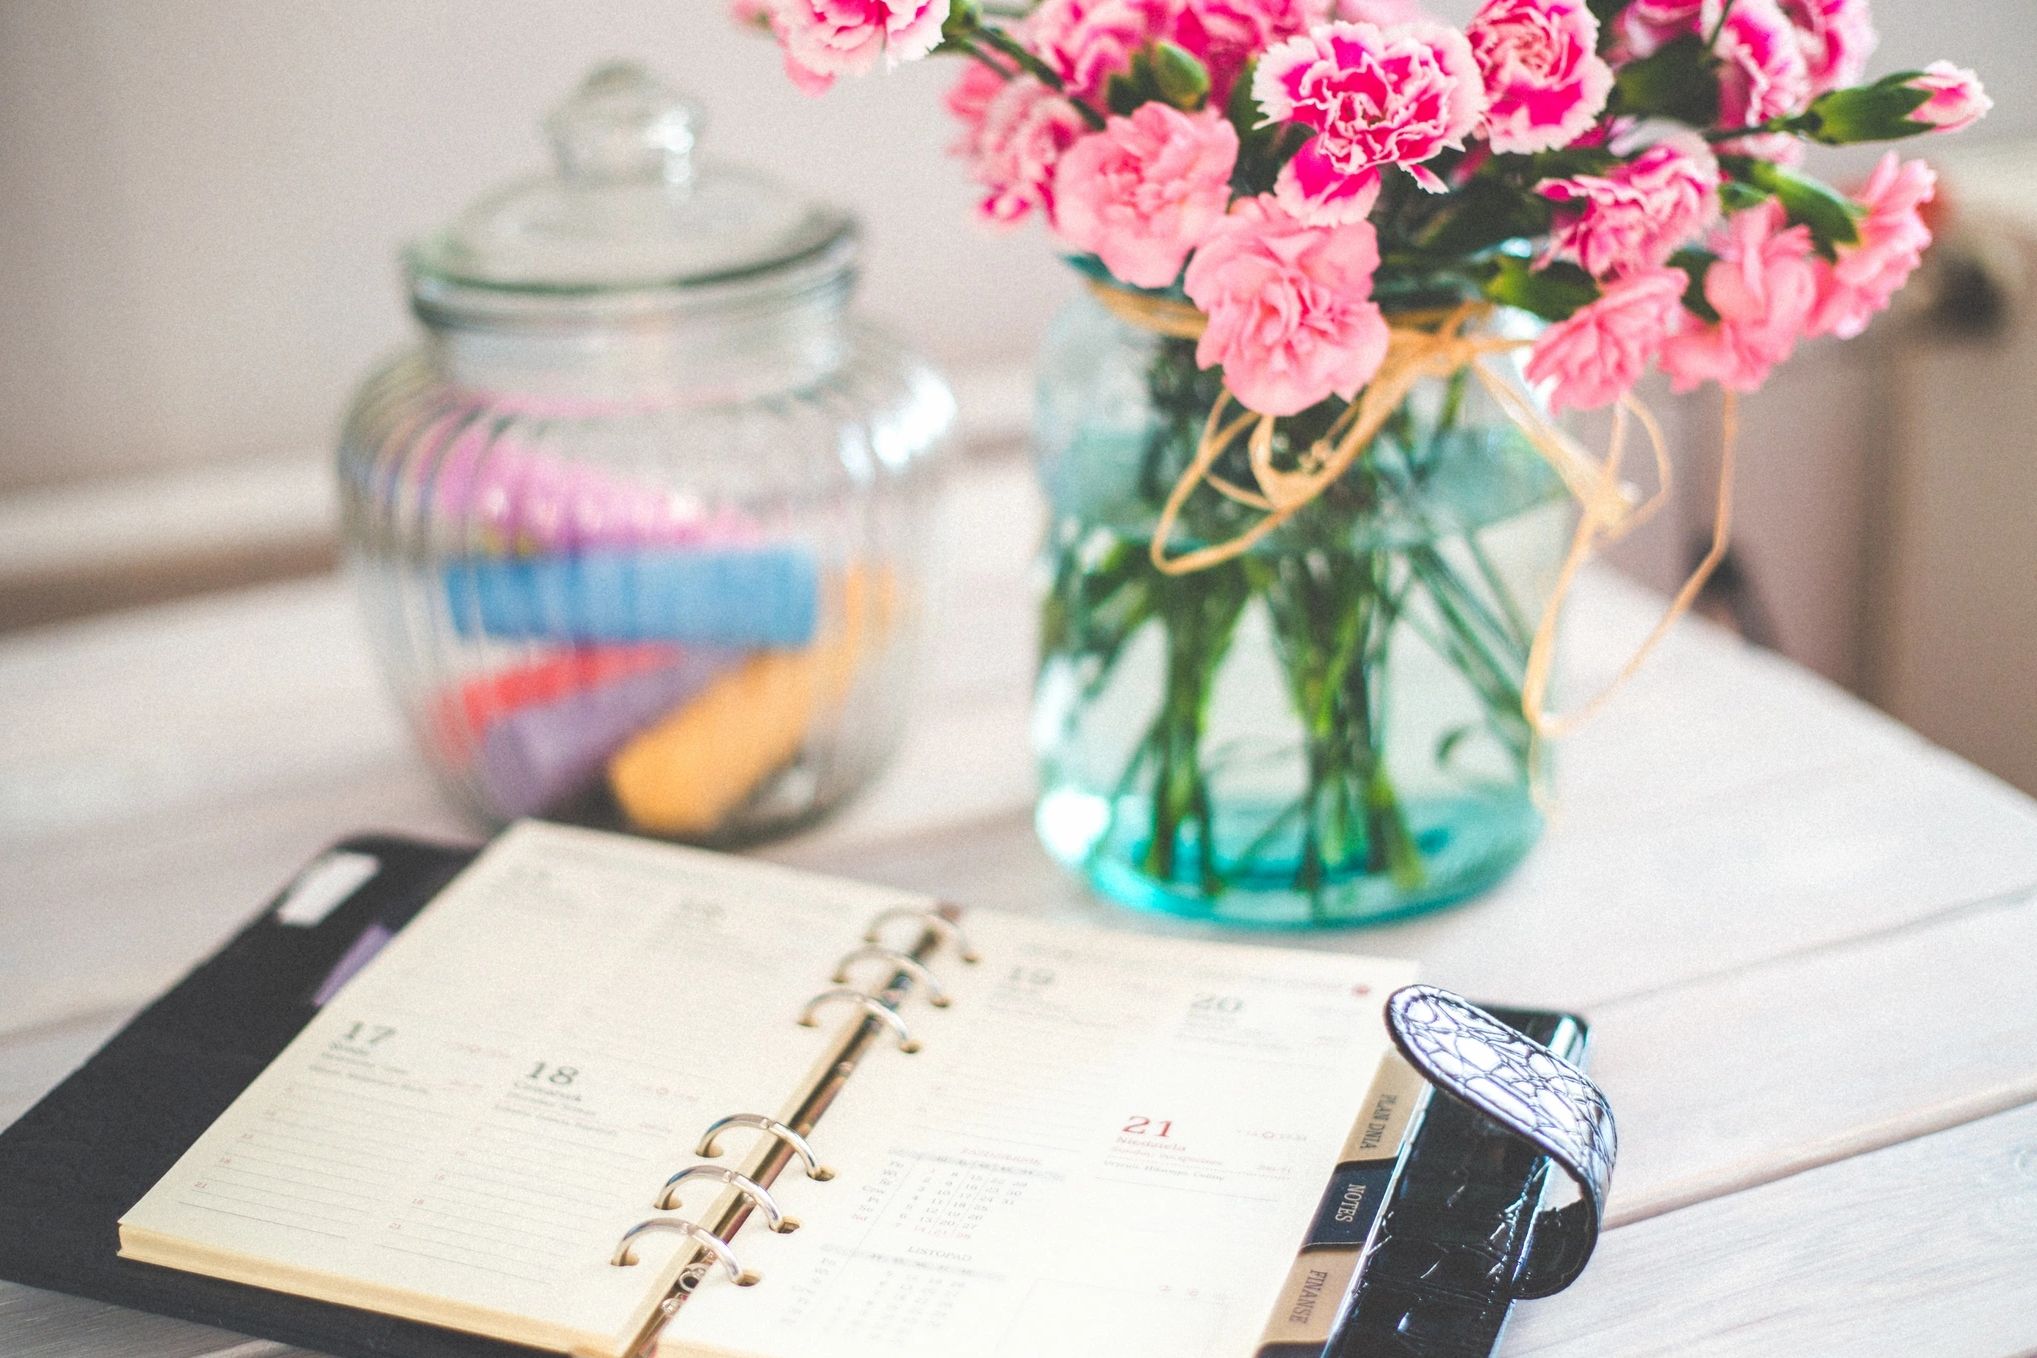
pixel 1325 730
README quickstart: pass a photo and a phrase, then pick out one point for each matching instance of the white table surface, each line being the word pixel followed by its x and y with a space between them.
pixel 1806 938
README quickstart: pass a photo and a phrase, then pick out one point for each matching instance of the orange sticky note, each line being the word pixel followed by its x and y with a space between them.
pixel 688 773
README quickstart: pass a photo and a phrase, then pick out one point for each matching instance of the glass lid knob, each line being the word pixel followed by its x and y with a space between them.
pixel 624 123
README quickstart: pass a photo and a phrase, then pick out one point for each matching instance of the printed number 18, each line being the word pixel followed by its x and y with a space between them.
pixel 560 1075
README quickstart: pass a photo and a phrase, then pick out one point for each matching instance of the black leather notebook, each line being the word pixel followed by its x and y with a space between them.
pixel 1439 1281
pixel 96 1144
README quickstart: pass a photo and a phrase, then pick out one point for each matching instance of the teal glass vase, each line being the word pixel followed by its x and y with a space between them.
pixel 1326 730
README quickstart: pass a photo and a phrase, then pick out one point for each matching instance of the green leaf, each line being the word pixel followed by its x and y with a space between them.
pixel 1182 80
pixel 1243 109
pixel 1262 149
pixel 1680 80
pixel 1554 293
pixel 1833 219
pixel 1735 196
pixel 1563 164
pixel 1451 739
pixel 1484 214
pixel 1121 94
pixel 1605 11
pixel 1695 264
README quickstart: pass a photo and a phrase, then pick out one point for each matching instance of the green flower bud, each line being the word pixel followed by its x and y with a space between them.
pixel 1181 80
pixel 1877 112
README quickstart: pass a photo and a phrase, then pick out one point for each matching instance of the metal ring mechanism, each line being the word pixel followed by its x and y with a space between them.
pixel 934 920
pixel 772 1127
pixel 625 1257
pixel 898 962
pixel 870 1005
pixel 668 1197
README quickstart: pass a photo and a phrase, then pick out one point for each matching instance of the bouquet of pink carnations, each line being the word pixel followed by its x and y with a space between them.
pixel 1328 218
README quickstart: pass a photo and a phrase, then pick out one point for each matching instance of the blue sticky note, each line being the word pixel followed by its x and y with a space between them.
pixel 717 596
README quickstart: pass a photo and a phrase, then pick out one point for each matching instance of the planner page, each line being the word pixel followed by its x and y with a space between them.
pixel 1109 1146
pixel 465 1129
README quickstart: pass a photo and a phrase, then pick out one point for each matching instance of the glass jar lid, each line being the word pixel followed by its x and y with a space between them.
pixel 628 221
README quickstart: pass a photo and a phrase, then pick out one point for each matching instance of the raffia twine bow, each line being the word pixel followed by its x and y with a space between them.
pixel 1423 346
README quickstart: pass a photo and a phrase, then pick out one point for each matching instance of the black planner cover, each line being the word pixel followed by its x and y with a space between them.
pixel 96 1144
pixel 1454 1231
pixel 1459 1223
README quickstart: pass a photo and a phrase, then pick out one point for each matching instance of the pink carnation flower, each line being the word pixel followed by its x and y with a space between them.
pixel 1291 316
pixel 1025 130
pixel 847 37
pixel 968 102
pixel 1088 41
pixel 1957 101
pixel 761 14
pixel 1640 212
pixel 1373 96
pixel 1764 287
pixel 1381 12
pixel 1544 80
pixel 1647 26
pixel 1837 37
pixel 1596 357
pixel 1893 236
pixel 1227 34
pixel 1762 74
pixel 1143 192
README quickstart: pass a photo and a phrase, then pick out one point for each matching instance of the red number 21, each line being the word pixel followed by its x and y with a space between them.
pixel 1147 1126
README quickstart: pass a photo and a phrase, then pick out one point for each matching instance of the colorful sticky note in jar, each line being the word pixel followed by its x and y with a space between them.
pixel 746 596
pixel 691 772
pixel 545 754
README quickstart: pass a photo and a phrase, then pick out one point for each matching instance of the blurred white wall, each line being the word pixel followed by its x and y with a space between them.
pixel 200 200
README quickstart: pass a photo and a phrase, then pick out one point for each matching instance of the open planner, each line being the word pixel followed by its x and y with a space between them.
pixel 603 1095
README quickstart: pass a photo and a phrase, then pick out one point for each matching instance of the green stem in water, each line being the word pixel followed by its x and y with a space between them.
pixel 1200 613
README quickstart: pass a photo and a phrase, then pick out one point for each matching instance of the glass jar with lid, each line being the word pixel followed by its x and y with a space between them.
pixel 641 526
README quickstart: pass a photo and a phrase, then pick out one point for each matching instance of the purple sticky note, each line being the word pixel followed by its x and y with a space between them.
pixel 372 940
pixel 536 757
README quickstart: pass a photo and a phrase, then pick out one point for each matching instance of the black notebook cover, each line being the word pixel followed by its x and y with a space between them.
pixel 96 1144
pixel 1455 1230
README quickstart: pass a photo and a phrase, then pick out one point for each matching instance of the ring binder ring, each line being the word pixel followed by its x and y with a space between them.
pixel 898 961
pixel 774 1217
pixel 793 1141
pixel 870 1004
pixel 625 1257
pixel 949 931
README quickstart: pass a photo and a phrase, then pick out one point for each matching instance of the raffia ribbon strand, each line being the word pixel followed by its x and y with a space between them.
pixel 1423 346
